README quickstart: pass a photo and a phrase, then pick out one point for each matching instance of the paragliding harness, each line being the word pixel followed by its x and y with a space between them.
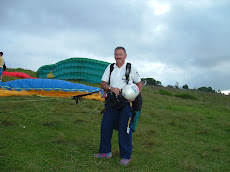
pixel 136 104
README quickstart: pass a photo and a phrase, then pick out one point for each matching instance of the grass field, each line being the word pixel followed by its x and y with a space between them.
pixel 179 130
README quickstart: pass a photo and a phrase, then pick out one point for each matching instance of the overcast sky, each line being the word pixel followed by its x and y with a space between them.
pixel 184 41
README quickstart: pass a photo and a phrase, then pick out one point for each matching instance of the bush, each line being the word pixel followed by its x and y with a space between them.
pixel 186 96
pixel 165 92
pixel 206 89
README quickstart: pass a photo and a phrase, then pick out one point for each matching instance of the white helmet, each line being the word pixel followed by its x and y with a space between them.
pixel 130 91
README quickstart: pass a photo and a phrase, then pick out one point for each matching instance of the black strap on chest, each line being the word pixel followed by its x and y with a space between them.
pixel 110 71
pixel 127 72
pixel 128 69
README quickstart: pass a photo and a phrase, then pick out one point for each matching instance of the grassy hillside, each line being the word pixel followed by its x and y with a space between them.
pixel 179 130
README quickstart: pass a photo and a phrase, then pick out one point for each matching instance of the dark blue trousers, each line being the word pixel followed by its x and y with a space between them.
pixel 123 115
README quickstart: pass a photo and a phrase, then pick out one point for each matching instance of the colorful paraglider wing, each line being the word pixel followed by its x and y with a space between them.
pixel 49 88
pixel 84 69
pixel 17 74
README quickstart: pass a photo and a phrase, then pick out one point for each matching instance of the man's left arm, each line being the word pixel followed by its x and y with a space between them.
pixel 140 86
pixel 136 77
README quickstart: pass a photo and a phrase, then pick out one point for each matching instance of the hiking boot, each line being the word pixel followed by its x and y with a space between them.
pixel 124 161
pixel 103 155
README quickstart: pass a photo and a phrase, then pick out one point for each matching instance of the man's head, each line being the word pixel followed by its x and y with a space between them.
pixel 120 56
pixel 1 53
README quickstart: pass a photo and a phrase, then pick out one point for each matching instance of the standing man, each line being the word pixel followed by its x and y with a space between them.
pixel 120 112
pixel 1 65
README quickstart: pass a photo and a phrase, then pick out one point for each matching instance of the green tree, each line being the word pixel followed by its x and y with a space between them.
pixel 169 86
pixel 206 89
pixel 185 86
pixel 159 83
pixel 150 81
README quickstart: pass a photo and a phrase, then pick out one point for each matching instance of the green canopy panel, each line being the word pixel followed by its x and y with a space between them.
pixel 84 69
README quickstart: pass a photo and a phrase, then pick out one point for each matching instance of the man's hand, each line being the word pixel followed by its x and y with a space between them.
pixel 115 90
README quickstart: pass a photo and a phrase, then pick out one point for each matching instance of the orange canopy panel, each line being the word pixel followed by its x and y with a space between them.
pixel 48 88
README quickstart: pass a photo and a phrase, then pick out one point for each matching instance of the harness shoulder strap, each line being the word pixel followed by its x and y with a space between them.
pixel 127 72
pixel 111 69
pixel 128 69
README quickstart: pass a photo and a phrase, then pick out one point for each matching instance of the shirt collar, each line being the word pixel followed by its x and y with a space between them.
pixel 124 65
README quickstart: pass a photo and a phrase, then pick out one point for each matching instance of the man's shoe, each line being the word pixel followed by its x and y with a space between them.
pixel 124 161
pixel 103 155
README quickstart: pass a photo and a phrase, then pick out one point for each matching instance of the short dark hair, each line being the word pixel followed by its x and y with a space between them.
pixel 120 48
pixel 1 53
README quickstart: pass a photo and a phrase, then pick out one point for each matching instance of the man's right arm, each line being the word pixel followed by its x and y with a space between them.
pixel 107 87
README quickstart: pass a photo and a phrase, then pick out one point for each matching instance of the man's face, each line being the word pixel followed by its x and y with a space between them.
pixel 120 56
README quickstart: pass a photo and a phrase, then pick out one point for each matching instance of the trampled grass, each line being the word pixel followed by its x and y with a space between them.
pixel 173 134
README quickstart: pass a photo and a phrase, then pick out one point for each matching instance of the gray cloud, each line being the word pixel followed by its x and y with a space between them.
pixel 189 44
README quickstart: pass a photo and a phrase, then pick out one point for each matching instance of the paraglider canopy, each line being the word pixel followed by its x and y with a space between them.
pixel 17 74
pixel 83 69
pixel 48 87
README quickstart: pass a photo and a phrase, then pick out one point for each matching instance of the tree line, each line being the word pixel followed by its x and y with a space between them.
pixel 152 81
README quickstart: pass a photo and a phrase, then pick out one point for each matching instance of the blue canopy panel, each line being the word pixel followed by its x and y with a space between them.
pixel 47 85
